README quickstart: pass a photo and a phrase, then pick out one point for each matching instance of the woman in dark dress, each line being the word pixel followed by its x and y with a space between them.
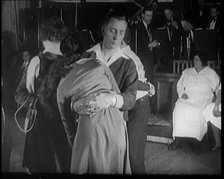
pixel 46 146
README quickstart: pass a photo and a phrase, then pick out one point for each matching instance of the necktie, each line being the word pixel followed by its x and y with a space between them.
pixel 149 33
pixel 212 24
pixel 170 30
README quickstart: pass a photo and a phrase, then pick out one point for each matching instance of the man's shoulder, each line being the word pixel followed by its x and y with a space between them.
pixel 125 62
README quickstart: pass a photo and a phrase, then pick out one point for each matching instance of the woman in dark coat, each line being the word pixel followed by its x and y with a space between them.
pixel 46 146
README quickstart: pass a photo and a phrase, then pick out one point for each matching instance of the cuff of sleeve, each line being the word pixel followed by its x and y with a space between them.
pixel 141 94
pixel 119 101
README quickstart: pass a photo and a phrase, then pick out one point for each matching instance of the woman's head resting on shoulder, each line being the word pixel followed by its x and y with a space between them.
pixel 71 45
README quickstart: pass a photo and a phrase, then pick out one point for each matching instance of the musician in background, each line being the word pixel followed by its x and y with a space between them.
pixel 26 60
pixel 173 40
pixel 146 42
pixel 214 21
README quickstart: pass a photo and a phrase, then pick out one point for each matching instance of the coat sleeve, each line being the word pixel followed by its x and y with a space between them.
pixel 130 86
pixel 66 115
pixel 22 93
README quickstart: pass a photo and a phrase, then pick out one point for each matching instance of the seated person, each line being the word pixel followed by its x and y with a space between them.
pixel 26 59
pixel 195 89
pixel 212 113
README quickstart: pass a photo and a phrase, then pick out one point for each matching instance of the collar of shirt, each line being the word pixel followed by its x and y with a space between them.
pixel 99 55
pixel 214 19
pixel 52 48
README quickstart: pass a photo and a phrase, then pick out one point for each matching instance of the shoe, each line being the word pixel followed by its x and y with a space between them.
pixel 174 145
pixel 27 171
pixel 196 149
pixel 216 149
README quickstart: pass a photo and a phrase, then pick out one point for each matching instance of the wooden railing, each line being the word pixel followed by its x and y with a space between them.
pixel 180 65
pixel 166 94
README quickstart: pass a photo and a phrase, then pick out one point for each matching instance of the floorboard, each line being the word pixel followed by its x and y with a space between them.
pixel 158 159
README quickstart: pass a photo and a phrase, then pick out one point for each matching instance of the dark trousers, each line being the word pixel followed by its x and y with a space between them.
pixel 137 133
pixel 6 145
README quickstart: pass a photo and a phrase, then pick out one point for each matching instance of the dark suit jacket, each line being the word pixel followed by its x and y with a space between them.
pixel 217 24
pixel 146 56
pixel 175 38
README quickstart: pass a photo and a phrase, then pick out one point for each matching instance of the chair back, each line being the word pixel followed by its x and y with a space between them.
pixel 213 64
pixel 180 65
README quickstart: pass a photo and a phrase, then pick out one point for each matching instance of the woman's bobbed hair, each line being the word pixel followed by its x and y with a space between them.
pixel 53 29
pixel 202 57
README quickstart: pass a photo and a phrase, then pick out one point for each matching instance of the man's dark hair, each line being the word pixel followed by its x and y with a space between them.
pixel 147 8
pixel 168 8
pixel 71 44
pixel 117 14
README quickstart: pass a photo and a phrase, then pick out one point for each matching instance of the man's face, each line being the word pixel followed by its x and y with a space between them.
pixel 114 32
pixel 147 16
pixel 168 14
pixel 26 56
pixel 213 12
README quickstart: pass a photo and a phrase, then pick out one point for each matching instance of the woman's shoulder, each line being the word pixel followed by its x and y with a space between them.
pixel 35 60
pixel 188 70
pixel 208 68
pixel 209 71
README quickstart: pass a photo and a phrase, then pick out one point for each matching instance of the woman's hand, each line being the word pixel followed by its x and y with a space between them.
pixel 94 103
pixel 151 91
pixel 174 24
pixel 153 44
pixel 184 96
pixel 216 111
pixel 105 100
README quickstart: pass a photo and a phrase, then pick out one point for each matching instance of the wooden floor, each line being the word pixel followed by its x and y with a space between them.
pixel 158 159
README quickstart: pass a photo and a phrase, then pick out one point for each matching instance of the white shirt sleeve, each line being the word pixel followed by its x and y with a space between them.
pixel 32 73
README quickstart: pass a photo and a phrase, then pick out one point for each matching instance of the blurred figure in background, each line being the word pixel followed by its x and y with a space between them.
pixel 146 42
pixel 26 59
pixel 214 22
pixel 212 113
pixel 173 38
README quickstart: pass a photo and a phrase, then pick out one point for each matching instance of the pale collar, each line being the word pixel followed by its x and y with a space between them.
pixel 202 70
pixel 52 47
pixel 99 55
